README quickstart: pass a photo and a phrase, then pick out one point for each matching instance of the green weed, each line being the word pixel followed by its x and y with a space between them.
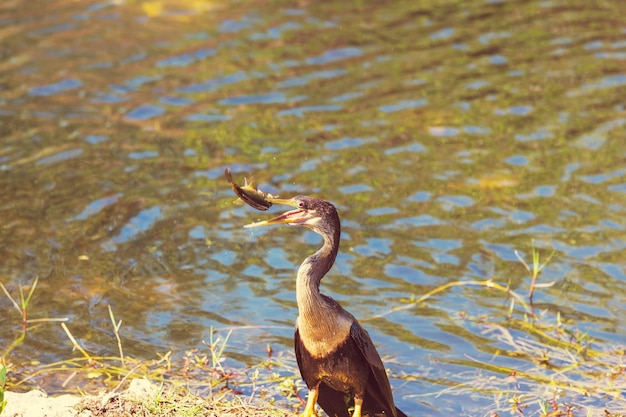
pixel 535 269
pixel 3 381
pixel 22 308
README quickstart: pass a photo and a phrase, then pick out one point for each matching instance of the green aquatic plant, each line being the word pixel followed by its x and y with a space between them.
pixel 22 308
pixel 535 269
pixel 3 382
pixel 116 331
pixel 216 345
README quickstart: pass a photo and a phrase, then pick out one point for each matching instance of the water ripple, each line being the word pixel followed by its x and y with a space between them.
pixel 138 81
pixel 403 105
pixel 419 221
pixel 143 155
pixel 56 88
pixel 100 97
pixel 519 160
pixel 187 58
pixel 95 139
pixel 95 207
pixel 476 130
pixel 514 110
pixel 449 201
pixel 611 81
pixel 275 32
pixel 498 60
pixel 333 55
pixel 486 38
pixel 145 112
pixel 198 117
pixel 443 131
pixel 60 156
pixel 268 98
pixel 306 79
pixel 536 135
pixel 176 101
pixel 442 34
pixel 412 147
pixel 356 188
pixel 345 143
pixel 214 83
pixel 230 25
pixel 300 111
pixel 142 222
pixel 420 196
pixel 595 139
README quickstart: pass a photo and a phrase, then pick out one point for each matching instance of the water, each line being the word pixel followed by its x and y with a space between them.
pixel 448 135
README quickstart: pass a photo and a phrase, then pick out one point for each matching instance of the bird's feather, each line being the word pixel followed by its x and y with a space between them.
pixel 378 396
pixel 378 399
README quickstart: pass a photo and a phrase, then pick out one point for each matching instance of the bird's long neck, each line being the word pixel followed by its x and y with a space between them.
pixel 311 304
pixel 323 324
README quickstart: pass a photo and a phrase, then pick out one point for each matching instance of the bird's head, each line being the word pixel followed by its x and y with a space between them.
pixel 315 214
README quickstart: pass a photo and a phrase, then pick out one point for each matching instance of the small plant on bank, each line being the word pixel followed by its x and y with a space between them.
pixel 3 381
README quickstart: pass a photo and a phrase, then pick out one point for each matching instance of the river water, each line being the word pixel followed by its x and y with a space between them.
pixel 449 135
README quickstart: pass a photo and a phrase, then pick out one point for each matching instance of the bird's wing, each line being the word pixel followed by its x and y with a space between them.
pixel 333 402
pixel 299 347
pixel 378 389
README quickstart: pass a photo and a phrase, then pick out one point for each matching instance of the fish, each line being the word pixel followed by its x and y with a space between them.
pixel 249 193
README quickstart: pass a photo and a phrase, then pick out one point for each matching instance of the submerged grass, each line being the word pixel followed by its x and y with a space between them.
pixel 22 309
pixel 566 374
pixel 563 372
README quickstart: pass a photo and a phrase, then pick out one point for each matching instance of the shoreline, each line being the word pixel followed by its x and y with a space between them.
pixel 141 398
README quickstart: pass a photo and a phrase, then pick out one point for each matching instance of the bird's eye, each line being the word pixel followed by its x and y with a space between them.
pixel 301 204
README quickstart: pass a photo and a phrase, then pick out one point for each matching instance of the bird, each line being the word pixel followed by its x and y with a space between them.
pixel 336 356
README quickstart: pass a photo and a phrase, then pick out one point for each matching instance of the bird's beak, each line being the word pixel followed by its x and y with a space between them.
pixel 290 217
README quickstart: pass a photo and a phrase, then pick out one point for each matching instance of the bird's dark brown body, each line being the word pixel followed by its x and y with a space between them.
pixel 345 372
pixel 336 356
